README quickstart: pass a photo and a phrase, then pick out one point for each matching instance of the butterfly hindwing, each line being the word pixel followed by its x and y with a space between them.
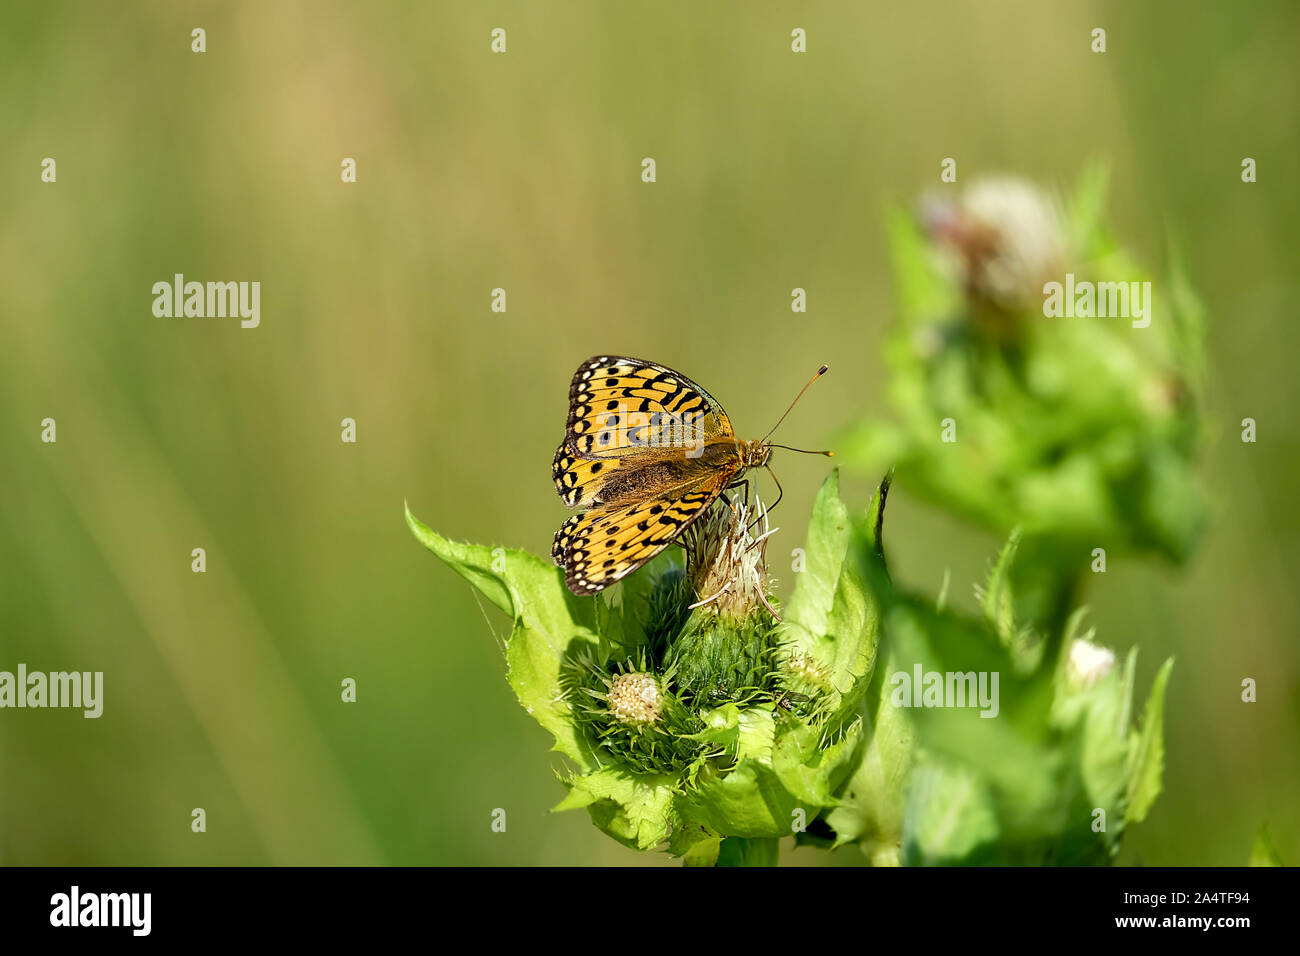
pixel 578 480
pixel 607 544
pixel 618 404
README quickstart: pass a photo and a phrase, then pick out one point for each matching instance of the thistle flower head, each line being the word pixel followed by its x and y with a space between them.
pixel 635 698
pixel 726 560
pixel 631 709
pixel 1006 235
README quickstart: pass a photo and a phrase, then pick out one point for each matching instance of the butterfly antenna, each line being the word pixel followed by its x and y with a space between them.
pixel 805 451
pixel 820 372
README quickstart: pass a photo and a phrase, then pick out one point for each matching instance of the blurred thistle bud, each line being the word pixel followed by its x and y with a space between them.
pixel 1004 237
pixel 1088 663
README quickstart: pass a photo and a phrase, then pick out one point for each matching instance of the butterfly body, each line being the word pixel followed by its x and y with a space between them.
pixel 647 451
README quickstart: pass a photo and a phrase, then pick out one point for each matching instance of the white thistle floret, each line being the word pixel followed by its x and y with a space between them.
pixel 726 562
pixel 635 698
pixel 1088 662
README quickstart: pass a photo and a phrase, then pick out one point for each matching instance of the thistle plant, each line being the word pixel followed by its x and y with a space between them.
pixel 1053 773
pixel 713 729
pixel 1072 432
pixel 1023 405
pixel 697 712
pixel 702 715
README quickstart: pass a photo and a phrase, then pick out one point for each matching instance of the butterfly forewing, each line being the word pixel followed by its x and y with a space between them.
pixel 618 403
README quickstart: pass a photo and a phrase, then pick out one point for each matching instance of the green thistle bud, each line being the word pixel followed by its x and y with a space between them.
pixel 803 673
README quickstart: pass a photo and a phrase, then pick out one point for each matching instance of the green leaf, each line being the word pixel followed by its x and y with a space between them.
pixel 743 733
pixel 950 816
pixel 1093 738
pixel 471 561
pixel 869 810
pixel 875 524
pixel 550 625
pixel 1147 751
pixel 785 773
pixel 738 851
pixel 749 801
pixel 811 768
pixel 695 844
pixel 634 809
pixel 830 617
pixel 829 531
pixel 920 288
pixel 997 602
pixel 534 663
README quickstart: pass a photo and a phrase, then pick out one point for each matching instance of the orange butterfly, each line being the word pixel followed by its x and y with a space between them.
pixel 647 451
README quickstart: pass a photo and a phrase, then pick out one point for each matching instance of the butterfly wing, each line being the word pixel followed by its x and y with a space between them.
pixel 618 403
pixel 579 480
pixel 607 544
pixel 628 413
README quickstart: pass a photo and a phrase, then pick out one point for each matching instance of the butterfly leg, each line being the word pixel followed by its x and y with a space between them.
pixel 758 514
pixel 739 483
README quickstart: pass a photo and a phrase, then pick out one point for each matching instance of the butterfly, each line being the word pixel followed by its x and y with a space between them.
pixel 646 451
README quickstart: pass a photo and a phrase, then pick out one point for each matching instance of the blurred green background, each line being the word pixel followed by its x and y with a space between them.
pixel 522 171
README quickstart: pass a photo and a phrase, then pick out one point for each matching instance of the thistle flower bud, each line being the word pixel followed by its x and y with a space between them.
pixel 804 673
pixel 1006 236
pixel 1088 663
